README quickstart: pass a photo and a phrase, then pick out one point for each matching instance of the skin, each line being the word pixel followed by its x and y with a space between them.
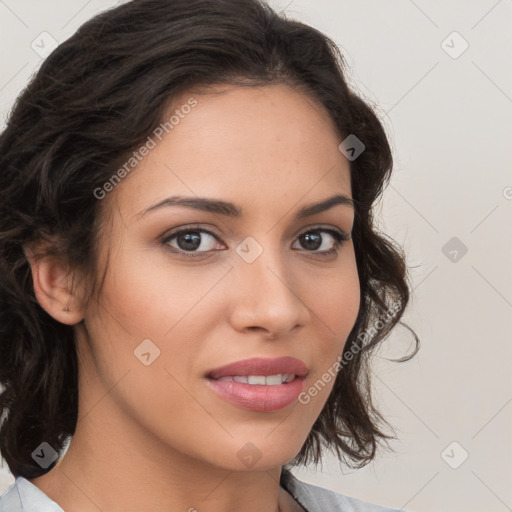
pixel 156 437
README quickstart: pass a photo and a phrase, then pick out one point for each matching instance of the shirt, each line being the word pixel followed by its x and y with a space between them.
pixel 23 496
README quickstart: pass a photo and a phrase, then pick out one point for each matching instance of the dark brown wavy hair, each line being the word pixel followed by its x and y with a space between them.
pixel 94 100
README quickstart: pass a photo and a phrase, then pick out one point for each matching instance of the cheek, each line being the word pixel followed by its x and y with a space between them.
pixel 147 331
pixel 336 300
pixel 336 306
pixel 153 293
pixel 153 305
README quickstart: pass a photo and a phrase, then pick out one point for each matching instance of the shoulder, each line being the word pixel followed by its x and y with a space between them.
pixel 23 496
pixel 316 499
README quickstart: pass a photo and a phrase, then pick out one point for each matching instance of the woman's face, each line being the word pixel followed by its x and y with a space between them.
pixel 230 287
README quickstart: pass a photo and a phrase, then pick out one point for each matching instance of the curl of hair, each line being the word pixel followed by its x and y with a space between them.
pixel 94 100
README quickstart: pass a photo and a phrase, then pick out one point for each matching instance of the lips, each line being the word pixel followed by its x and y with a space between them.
pixel 259 384
pixel 261 367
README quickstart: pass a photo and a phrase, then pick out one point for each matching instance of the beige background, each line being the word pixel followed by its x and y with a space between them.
pixel 449 117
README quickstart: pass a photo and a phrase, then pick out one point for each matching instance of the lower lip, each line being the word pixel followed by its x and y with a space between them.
pixel 256 397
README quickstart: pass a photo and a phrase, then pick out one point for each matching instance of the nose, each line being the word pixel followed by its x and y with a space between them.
pixel 266 298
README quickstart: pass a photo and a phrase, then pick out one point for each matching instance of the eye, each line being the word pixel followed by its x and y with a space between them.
pixel 313 240
pixel 196 242
pixel 191 240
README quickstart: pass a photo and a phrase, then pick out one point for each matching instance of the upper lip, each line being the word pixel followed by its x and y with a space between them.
pixel 261 366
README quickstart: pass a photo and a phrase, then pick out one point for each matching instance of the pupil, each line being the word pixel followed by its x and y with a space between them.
pixel 314 238
pixel 194 239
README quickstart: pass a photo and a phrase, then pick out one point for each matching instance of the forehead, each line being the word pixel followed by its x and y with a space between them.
pixel 263 146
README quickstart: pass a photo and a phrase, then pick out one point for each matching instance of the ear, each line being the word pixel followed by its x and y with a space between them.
pixel 52 287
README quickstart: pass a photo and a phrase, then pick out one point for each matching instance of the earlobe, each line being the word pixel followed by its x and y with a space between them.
pixel 52 288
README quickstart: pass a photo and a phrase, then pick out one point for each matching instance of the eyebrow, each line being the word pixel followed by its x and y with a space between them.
pixel 229 209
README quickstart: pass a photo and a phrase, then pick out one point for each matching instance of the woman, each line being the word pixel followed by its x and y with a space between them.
pixel 192 283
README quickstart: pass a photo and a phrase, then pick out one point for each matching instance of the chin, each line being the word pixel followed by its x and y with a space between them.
pixel 259 454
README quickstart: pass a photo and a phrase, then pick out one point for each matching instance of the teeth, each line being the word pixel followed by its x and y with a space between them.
pixel 260 379
pixel 270 380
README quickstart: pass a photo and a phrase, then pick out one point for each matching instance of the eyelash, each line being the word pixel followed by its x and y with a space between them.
pixel 339 236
